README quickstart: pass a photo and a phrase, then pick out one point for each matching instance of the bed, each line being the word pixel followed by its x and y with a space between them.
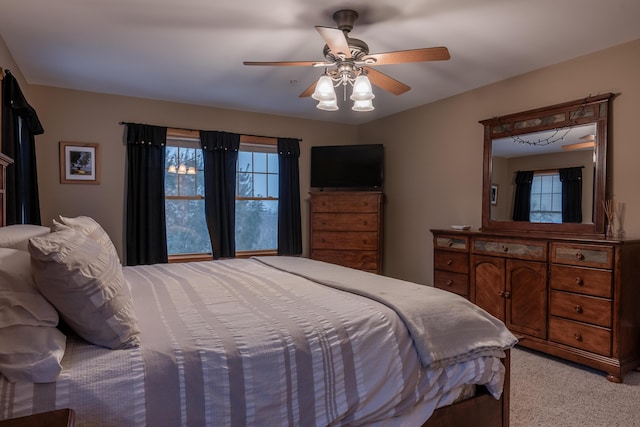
pixel 266 341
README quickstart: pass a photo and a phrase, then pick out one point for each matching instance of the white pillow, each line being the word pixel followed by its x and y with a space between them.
pixel 17 236
pixel 88 226
pixel 84 281
pixel 31 353
pixel 20 301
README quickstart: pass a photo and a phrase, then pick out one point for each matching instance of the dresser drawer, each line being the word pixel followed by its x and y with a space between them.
pixel 453 282
pixel 451 242
pixel 345 221
pixel 582 280
pixel 579 335
pixel 362 260
pixel 582 255
pixel 583 308
pixel 346 203
pixel 509 248
pixel 362 240
pixel 456 262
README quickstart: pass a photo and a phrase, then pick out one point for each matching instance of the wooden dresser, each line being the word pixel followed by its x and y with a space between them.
pixel 4 162
pixel 346 228
pixel 575 298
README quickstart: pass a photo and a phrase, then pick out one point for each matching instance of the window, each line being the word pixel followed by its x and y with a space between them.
pixel 256 197
pixel 184 198
pixel 546 198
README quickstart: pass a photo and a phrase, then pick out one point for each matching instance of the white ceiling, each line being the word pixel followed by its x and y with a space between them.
pixel 191 51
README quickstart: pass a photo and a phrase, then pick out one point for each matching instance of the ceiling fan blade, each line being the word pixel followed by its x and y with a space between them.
pixel 309 91
pixel 284 63
pixel 386 82
pixel 413 55
pixel 336 40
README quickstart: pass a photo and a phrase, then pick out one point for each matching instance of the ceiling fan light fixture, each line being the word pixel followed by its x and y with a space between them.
pixel 363 105
pixel 362 89
pixel 328 105
pixel 324 89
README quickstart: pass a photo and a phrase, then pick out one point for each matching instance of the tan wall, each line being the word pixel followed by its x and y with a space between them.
pixel 78 116
pixel 433 158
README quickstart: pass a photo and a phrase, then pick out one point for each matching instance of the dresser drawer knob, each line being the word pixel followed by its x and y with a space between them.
pixel 578 336
pixel 579 256
pixel 364 222
pixel 507 294
pixel 449 261
pixel 450 243
pixel 449 282
pixel 505 248
pixel 578 309
pixel 579 281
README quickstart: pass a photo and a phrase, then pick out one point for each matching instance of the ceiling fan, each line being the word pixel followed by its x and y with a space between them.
pixel 351 58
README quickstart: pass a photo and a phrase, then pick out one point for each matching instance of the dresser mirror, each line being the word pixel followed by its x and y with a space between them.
pixel 545 169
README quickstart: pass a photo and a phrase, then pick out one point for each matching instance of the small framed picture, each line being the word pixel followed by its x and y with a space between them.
pixel 79 163
pixel 494 194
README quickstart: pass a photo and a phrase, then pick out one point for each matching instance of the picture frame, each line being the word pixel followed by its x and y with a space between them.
pixel 79 163
pixel 494 194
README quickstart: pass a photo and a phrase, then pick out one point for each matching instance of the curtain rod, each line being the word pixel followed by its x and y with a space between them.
pixel 196 130
pixel 551 170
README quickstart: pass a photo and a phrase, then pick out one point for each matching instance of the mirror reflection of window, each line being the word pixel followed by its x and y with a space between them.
pixel 546 198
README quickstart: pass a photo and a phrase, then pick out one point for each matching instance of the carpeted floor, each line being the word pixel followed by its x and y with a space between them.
pixel 551 392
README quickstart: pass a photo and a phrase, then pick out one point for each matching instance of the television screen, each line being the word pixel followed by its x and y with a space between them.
pixel 347 166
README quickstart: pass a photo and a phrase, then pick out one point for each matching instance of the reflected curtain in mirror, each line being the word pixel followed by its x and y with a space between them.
pixel 522 203
pixel 571 179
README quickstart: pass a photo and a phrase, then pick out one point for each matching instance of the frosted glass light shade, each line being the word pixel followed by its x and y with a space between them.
pixel 365 105
pixel 172 169
pixel 329 105
pixel 324 89
pixel 191 170
pixel 362 89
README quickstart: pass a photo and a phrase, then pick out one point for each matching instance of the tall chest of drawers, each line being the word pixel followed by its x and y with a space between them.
pixel 574 298
pixel 346 228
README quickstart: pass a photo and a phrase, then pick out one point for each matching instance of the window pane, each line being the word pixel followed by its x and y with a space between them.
pixel 186 227
pixel 272 160
pixel 260 185
pixel 244 161
pixel 260 162
pixel 546 199
pixel 244 185
pixel 547 184
pixel 187 185
pixel 256 225
pixel 170 184
pixel 273 185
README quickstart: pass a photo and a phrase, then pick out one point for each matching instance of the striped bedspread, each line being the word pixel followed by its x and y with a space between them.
pixel 240 343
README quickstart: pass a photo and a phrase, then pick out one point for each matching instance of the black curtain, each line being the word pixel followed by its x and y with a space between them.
pixel 571 179
pixel 522 203
pixel 220 153
pixel 146 233
pixel 289 221
pixel 20 124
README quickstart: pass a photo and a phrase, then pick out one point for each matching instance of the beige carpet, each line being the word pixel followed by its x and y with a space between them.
pixel 551 392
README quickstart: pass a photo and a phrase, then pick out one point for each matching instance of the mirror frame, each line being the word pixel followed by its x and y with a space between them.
pixel 593 109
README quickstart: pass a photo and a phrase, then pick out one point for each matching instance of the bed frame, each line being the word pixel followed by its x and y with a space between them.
pixel 482 410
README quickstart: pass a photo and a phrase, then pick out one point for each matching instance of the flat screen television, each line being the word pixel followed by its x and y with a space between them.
pixel 347 166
